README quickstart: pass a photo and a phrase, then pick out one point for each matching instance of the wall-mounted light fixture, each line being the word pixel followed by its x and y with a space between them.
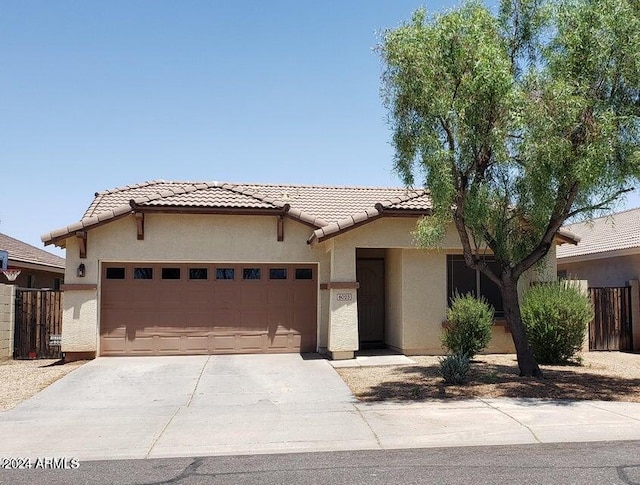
pixel 81 270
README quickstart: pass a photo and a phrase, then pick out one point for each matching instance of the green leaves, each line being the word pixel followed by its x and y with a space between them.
pixel 516 122
pixel 556 316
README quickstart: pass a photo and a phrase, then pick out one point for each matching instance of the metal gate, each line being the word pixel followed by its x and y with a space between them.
pixel 38 324
pixel 610 328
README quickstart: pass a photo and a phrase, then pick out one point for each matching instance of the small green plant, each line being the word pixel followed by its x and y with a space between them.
pixel 556 316
pixel 454 369
pixel 491 377
pixel 469 322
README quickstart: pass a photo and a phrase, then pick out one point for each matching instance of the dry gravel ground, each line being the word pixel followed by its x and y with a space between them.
pixel 21 379
pixel 608 376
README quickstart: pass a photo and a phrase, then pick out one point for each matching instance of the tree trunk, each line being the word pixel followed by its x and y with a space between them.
pixel 526 361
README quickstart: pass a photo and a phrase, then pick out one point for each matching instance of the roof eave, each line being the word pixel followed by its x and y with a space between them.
pixel 566 236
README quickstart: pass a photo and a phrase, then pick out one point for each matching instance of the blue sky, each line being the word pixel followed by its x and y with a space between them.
pixel 103 94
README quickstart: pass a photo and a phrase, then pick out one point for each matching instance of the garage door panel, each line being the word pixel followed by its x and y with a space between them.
pixel 199 295
pixel 281 294
pixel 226 318
pixel 200 319
pixel 223 343
pixel 225 295
pixel 252 319
pixel 251 342
pixel 253 294
pixel 207 315
pixel 140 344
pixel 281 317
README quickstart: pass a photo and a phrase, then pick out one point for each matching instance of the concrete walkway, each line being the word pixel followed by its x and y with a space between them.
pixel 210 405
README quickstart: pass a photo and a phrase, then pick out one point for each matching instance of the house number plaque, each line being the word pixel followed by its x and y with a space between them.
pixel 345 297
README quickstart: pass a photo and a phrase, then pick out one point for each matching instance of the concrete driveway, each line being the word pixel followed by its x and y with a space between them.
pixel 137 407
pixel 245 404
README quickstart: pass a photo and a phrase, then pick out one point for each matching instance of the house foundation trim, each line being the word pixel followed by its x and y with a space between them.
pixel 78 287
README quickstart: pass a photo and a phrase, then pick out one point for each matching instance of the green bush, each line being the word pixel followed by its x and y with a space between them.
pixel 555 317
pixel 469 322
pixel 454 369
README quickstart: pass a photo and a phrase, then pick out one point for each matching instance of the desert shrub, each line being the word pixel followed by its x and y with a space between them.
pixel 454 369
pixel 469 322
pixel 555 316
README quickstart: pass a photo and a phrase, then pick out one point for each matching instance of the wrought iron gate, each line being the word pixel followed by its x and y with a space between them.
pixel 38 324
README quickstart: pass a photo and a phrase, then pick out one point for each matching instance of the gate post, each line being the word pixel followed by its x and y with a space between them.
pixel 7 320
pixel 635 313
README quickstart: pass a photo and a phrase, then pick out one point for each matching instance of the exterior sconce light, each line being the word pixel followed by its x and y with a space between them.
pixel 81 270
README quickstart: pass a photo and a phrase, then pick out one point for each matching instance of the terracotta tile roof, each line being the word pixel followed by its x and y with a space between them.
pixel 610 233
pixel 333 204
pixel 109 200
pixel 331 208
pixel 25 253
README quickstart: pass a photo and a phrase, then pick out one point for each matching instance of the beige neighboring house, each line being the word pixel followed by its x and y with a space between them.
pixel 167 268
pixel 608 253
pixel 38 268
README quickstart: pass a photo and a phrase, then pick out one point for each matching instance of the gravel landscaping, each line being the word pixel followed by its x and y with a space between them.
pixel 609 376
pixel 21 379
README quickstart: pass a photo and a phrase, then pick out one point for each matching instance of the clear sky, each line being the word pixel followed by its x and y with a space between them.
pixel 96 95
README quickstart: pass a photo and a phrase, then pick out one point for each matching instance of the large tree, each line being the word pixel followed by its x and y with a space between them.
pixel 517 121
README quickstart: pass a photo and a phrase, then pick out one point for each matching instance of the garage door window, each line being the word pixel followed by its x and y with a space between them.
pixel 142 273
pixel 198 273
pixel 170 273
pixel 277 273
pixel 225 273
pixel 115 273
pixel 251 273
pixel 304 274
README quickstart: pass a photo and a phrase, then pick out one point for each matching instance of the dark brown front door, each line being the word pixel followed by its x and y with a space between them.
pixel 370 275
pixel 207 308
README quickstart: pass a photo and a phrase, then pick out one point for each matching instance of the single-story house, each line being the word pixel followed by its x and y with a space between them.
pixel 38 268
pixel 166 268
pixel 608 253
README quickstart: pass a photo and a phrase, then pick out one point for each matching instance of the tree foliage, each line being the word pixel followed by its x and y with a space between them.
pixel 516 122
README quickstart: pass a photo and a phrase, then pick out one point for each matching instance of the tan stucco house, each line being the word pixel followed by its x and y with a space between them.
pixel 165 268
pixel 608 253
pixel 37 268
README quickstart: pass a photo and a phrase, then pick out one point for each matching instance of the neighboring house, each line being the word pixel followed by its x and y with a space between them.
pixel 165 268
pixel 38 268
pixel 608 253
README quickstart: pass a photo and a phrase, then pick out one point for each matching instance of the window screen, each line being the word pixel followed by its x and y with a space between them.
pixel 225 273
pixel 142 273
pixel 277 273
pixel 198 273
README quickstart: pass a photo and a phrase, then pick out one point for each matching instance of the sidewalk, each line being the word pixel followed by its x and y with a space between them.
pixel 226 405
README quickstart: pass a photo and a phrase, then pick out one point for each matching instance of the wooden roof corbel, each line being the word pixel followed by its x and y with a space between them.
pixel 81 237
pixel 140 225
pixel 285 209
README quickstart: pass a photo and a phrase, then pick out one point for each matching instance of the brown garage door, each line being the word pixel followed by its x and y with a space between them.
pixel 171 308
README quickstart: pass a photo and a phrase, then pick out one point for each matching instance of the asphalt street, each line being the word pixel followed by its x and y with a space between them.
pixel 562 463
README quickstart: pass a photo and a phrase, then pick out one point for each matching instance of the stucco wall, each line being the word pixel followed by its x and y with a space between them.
pixel 7 319
pixel 424 300
pixel 79 321
pixel 393 298
pixel 182 237
pixel 604 272
pixel 343 302
pixel 416 292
